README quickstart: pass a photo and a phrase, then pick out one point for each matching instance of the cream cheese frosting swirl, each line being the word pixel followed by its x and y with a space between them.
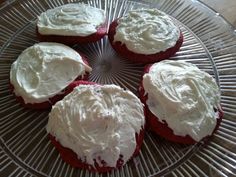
pixel 75 19
pixel 183 96
pixel 44 70
pixel 147 31
pixel 98 122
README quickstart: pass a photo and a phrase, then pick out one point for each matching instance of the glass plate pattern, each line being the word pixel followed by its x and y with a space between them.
pixel 209 42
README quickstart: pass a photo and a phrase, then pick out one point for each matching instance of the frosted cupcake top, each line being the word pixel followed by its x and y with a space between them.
pixel 147 31
pixel 71 20
pixel 98 122
pixel 184 97
pixel 44 70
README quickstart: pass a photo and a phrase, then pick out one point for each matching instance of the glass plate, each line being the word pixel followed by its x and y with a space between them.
pixel 209 42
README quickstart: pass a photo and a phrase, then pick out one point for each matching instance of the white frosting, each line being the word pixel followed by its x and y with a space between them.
pixel 147 31
pixel 71 20
pixel 44 70
pixel 183 96
pixel 98 121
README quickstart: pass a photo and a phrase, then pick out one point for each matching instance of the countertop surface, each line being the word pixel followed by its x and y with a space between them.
pixel 225 7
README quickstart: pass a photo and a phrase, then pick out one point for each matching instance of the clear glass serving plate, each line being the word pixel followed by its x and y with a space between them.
pixel 209 42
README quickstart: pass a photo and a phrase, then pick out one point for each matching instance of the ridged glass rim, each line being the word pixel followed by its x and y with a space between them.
pixel 180 167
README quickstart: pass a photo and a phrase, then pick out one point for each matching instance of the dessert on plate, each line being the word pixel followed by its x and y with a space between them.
pixel 97 127
pixel 182 102
pixel 145 36
pixel 71 24
pixel 42 72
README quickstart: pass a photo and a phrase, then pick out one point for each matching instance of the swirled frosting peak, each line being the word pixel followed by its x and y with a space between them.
pixel 98 122
pixel 183 96
pixel 76 19
pixel 44 70
pixel 147 31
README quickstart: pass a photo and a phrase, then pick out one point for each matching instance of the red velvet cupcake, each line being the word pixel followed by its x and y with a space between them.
pixel 145 36
pixel 43 71
pixel 71 24
pixel 97 127
pixel 182 102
